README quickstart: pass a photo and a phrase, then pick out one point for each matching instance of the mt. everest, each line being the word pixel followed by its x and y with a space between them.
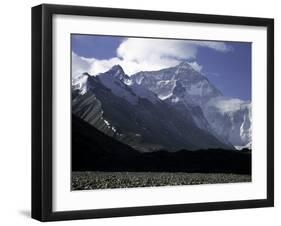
pixel 170 109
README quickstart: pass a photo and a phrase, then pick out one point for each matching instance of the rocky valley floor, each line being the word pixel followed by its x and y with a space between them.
pixel 88 180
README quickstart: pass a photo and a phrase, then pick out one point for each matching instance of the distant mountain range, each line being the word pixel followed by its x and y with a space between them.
pixel 171 109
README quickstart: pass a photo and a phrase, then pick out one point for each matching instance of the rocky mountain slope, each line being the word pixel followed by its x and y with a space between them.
pixel 171 109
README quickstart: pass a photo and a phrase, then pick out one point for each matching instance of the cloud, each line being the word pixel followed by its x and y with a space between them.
pixel 196 66
pixel 136 54
pixel 80 65
pixel 90 65
pixel 218 46
pixel 155 49
pixel 100 66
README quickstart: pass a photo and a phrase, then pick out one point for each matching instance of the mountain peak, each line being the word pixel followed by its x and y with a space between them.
pixel 184 64
pixel 80 83
pixel 117 68
pixel 117 72
pixel 86 74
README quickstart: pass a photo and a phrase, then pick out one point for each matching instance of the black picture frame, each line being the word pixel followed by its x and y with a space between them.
pixel 42 111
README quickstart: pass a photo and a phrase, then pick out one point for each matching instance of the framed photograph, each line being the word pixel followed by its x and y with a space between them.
pixel 146 112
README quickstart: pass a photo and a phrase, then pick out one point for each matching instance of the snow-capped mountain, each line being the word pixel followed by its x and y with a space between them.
pixel 124 108
pixel 80 83
pixel 231 119
pixel 183 87
pixel 178 83
pixel 167 97
pixel 121 85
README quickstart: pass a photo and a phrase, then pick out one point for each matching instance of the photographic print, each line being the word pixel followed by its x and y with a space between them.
pixel 138 112
pixel 159 112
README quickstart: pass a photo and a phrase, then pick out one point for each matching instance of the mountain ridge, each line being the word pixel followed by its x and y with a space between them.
pixel 181 88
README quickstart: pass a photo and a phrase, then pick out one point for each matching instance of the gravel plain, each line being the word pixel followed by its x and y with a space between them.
pixel 104 180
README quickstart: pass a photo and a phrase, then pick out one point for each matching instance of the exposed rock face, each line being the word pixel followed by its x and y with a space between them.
pixel 174 108
pixel 229 119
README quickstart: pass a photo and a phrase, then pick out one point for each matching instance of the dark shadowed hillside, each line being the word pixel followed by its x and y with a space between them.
pixel 92 150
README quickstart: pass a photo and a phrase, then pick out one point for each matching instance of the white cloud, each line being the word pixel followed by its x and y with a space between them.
pixel 218 46
pixel 196 66
pixel 100 66
pixel 154 49
pixel 136 54
pixel 79 65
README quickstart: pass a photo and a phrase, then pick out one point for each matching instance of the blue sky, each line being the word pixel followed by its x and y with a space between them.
pixel 226 64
